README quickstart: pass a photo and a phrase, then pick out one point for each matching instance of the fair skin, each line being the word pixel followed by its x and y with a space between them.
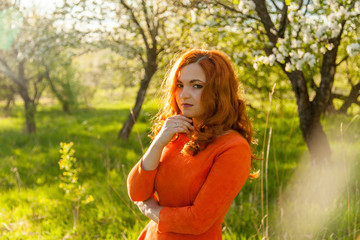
pixel 190 84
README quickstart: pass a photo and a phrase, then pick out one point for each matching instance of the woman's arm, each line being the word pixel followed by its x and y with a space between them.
pixel 172 125
pixel 141 178
pixel 226 178
pixel 150 208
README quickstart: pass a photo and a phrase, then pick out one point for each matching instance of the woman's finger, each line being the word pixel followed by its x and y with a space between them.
pixel 183 126
pixel 181 117
pixel 183 129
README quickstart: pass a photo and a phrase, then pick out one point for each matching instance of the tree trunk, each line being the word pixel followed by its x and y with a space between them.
pixel 29 104
pixel 64 103
pixel 30 110
pixel 65 106
pixel 309 115
pixel 352 98
pixel 133 116
pixel 10 100
pixel 314 136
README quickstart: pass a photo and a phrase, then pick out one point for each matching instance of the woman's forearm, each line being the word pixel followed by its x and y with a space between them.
pixel 151 158
pixel 173 125
pixel 153 213
pixel 150 208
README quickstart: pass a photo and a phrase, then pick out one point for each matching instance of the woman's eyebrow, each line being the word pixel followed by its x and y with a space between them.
pixel 196 80
pixel 192 81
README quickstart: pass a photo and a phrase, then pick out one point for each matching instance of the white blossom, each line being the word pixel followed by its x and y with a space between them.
pixel 193 16
pixel 280 58
pixel 353 49
pixel 289 67
pixel 291 16
pixel 314 47
pixel 245 6
pixel 299 64
pixel 273 31
pixel 294 56
pixel 330 46
pixel 272 59
pixel 186 2
pixel 310 59
pixel 357 8
pixel 20 56
pixel 321 31
pixel 283 50
pixel 316 3
pixel 293 7
pixel 266 60
pixel 336 29
pixel 323 50
pixel 300 53
pixel 295 43
pixel 307 36
pixel 311 7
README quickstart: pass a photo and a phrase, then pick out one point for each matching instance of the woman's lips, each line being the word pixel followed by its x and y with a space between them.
pixel 186 105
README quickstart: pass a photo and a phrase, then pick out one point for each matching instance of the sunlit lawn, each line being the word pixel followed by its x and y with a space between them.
pixel 32 206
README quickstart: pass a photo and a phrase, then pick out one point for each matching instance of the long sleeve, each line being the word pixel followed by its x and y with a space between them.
pixel 140 183
pixel 226 178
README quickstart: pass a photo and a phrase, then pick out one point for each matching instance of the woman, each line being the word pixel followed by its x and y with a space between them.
pixel 200 156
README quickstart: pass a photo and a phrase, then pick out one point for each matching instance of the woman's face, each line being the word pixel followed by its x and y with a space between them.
pixel 189 86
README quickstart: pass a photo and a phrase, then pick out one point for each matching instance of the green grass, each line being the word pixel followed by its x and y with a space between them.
pixel 32 206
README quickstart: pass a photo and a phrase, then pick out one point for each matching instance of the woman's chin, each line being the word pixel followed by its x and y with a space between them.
pixel 186 114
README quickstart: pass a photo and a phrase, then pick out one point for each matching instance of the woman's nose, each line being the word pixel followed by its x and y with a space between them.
pixel 184 93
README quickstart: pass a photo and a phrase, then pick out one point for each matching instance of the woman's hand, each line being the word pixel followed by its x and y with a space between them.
pixel 150 208
pixel 174 124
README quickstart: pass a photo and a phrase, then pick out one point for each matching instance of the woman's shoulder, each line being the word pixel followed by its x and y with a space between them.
pixel 230 138
pixel 230 147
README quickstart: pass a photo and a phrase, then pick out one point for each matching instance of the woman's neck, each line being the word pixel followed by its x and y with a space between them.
pixel 195 122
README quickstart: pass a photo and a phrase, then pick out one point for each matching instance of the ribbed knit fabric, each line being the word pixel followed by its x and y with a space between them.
pixel 195 191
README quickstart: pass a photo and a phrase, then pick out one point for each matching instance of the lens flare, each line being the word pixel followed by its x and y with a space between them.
pixel 317 198
pixel 10 24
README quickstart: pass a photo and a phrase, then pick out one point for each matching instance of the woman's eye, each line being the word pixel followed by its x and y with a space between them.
pixel 179 85
pixel 197 86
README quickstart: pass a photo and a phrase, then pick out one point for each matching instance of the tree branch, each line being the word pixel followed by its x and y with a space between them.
pixel 263 13
pixel 136 22
pixel 150 29
pixel 339 96
pixel 283 21
pixel 342 60
pixel 348 75
pixel 348 100
pixel 4 67
pixel 276 6
pixel 243 16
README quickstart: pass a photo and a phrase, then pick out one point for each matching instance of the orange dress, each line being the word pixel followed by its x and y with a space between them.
pixel 195 191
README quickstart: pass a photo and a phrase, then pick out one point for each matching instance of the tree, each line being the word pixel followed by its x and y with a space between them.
pixel 147 31
pixel 21 53
pixel 303 38
pixel 7 92
pixel 61 77
pixel 348 91
pixel 150 21
pixel 30 47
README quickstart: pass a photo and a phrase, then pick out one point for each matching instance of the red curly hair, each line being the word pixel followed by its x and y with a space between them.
pixel 224 108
